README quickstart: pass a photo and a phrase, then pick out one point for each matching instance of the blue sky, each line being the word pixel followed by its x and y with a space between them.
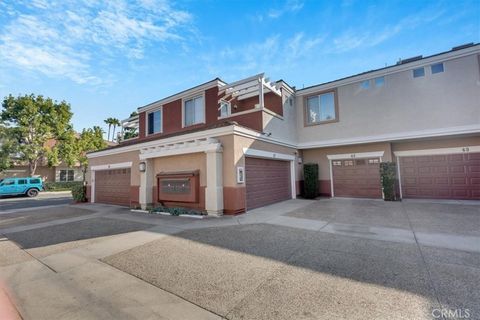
pixel 107 59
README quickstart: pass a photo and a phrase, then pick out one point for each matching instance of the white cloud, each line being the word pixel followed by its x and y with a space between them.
pixel 353 39
pixel 273 54
pixel 290 6
pixel 66 39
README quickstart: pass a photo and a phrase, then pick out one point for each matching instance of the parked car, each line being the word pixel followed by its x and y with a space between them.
pixel 30 186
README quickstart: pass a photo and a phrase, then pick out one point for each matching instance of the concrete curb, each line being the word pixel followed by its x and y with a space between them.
pixel 168 214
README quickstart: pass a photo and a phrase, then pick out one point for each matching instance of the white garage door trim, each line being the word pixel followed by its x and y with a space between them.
pixel 118 165
pixel 342 156
pixel 254 153
pixel 429 152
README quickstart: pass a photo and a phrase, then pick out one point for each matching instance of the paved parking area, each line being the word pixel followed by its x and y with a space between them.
pixel 44 199
pixel 329 259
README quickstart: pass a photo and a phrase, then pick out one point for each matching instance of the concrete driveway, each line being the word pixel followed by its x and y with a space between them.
pixel 328 259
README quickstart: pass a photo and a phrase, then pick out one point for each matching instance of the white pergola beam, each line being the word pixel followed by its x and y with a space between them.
pixel 236 83
pixel 261 98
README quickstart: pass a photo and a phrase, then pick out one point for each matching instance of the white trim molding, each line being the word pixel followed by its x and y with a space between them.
pixel 468 129
pixel 210 133
pixel 374 154
pixel 440 151
pixel 118 165
pixel 255 153
pixel 187 147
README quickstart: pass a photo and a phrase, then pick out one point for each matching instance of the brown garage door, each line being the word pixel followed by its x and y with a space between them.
pixel 113 186
pixel 452 176
pixel 267 181
pixel 357 178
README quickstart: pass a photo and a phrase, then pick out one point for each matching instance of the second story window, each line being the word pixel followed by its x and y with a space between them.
pixel 155 122
pixel 419 72
pixel 437 68
pixel 193 111
pixel 365 85
pixel 379 82
pixel 225 109
pixel 321 108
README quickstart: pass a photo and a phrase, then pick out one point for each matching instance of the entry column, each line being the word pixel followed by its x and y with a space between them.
pixel 146 184
pixel 214 189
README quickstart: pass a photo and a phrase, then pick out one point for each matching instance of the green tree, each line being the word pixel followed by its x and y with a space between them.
pixel 90 139
pixel 29 123
pixel 115 123
pixel 7 150
pixel 109 122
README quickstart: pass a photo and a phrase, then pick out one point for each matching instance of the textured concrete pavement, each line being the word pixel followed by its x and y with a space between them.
pixel 327 259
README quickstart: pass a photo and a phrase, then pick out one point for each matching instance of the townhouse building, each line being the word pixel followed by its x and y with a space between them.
pixel 230 147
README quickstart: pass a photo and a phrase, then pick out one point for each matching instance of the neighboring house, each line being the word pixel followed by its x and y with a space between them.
pixel 230 147
pixel 48 174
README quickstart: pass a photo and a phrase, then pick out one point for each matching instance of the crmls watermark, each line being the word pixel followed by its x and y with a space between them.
pixel 451 313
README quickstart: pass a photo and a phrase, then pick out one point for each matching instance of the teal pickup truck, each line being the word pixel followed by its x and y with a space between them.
pixel 16 186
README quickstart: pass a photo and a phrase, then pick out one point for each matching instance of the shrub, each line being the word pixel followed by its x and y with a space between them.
pixel 61 186
pixel 175 211
pixel 388 177
pixel 79 193
pixel 310 180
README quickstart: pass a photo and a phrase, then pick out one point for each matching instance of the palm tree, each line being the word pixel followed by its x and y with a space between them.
pixel 115 123
pixel 108 121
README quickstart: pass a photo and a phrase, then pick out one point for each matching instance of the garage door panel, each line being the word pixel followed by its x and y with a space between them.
pixel 454 176
pixel 359 178
pixel 457 169
pixel 267 181
pixel 113 186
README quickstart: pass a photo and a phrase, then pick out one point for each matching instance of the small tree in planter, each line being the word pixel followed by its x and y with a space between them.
pixel 388 177
pixel 310 180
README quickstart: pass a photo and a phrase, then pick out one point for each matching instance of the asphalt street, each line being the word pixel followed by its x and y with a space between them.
pixel 8 204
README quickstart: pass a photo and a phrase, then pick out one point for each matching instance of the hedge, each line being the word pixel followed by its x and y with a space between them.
pixel 61 186
pixel 310 180
pixel 388 177
pixel 79 193
pixel 175 211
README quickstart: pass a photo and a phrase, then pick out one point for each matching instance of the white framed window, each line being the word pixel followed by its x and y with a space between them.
pixel 321 108
pixel 240 175
pixel 225 109
pixel 154 122
pixel 365 85
pixel 379 82
pixel 193 111
pixel 419 72
pixel 437 68
pixel 67 175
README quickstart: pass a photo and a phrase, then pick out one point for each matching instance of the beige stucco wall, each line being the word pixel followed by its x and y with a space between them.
pixel 319 155
pixel 283 128
pixel 404 104
pixel 185 162
pixel 118 158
